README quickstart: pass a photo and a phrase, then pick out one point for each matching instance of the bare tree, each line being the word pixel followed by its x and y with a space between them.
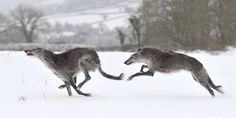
pixel 3 23
pixel 135 23
pixel 121 36
pixel 27 20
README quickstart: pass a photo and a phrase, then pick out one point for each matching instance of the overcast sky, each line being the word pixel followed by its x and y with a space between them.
pixel 6 5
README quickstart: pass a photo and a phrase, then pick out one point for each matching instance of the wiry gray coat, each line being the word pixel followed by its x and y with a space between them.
pixel 168 61
pixel 68 64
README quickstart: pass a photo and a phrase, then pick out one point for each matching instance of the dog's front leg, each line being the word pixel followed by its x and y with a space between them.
pixel 148 73
pixel 143 66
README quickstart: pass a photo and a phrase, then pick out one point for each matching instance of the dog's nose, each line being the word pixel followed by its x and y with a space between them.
pixel 126 62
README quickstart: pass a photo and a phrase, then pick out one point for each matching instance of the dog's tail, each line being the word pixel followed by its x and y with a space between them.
pixel 216 87
pixel 120 77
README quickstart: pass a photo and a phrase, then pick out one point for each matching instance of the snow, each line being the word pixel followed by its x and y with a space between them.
pixel 30 90
pixel 49 2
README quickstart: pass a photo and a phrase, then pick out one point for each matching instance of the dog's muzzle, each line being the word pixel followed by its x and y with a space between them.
pixel 128 62
pixel 28 53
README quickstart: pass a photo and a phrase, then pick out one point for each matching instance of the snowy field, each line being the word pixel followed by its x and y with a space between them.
pixel 30 90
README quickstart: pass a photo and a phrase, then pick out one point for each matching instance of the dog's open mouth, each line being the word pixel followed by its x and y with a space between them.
pixel 28 53
pixel 128 62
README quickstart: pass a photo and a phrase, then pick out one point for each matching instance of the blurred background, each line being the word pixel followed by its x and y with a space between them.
pixel 118 24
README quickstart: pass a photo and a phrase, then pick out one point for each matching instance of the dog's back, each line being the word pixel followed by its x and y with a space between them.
pixel 70 59
pixel 168 61
pixel 178 61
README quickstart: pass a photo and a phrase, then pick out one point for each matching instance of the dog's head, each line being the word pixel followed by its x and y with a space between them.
pixel 37 52
pixel 136 57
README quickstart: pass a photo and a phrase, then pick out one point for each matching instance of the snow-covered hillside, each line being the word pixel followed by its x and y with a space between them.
pixel 110 17
pixel 110 13
pixel 29 90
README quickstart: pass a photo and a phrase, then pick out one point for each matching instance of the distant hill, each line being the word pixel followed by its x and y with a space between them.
pixel 70 6
pixel 64 6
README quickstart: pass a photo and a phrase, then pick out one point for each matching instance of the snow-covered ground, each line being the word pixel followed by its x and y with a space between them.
pixel 29 90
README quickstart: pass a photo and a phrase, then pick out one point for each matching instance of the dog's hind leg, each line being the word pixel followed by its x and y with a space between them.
pixel 78 91
pixel 208 88
pixel 217 88
pixel 195 78
pixel 87 76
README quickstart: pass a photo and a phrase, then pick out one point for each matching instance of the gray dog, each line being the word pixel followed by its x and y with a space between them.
pixel 68 64
pixel 168 61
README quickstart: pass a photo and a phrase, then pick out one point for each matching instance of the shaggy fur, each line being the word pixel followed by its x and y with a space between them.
pixel 68 64
pixel 168 61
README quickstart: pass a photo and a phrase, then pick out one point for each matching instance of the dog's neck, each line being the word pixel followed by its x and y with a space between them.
pixel 49 59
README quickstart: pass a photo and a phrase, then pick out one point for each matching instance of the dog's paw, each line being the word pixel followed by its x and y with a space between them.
pixel 130 78
pixel 62 86
pixel 86 94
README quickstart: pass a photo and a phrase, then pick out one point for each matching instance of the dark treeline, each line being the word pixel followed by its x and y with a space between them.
pixel 189 24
